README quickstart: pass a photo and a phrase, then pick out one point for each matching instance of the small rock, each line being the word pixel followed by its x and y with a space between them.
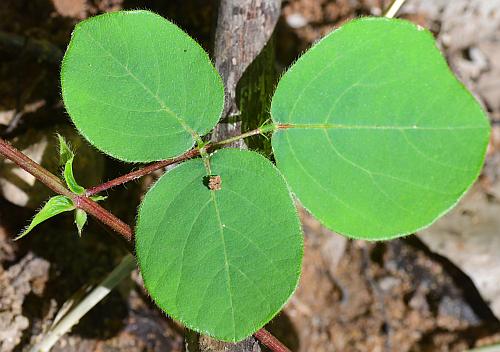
pixel 70 8
pixel 296 20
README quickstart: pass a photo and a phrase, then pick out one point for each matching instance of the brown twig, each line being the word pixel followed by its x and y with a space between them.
pixel 35 169
pixel 101 214
pixel 161 164
pixel 270 341
pixel 141 172
pixel 55 184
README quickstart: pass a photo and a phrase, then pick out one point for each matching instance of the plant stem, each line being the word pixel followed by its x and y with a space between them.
pixel 104 216
pixel 33 168
pixel 270 341
pixel 141 172
pixel 161 164
pixel 260 130
pixel 393 8
pixel 55 184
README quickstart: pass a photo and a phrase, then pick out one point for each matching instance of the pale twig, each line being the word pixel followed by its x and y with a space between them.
pixel 76 312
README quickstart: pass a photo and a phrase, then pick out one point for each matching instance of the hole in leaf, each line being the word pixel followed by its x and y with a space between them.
pixel 213 182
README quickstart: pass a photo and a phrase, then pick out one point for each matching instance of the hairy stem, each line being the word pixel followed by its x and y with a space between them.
pixel 54 183
pixel 40 173
pixel 101 214
pixel 141 172
pixel 260 130
pixel 270 341
pixel 104 216
pixel 161 164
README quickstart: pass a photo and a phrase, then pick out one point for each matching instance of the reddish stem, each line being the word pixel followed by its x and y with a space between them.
pixel 141 172
pixel 270 341
pixel 55 184
pixel 39 172
pixel 161 164
pixel 104 216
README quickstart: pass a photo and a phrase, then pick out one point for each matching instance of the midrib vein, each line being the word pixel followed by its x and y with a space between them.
pixel 324 126
pixel 226 263
pixel 162 104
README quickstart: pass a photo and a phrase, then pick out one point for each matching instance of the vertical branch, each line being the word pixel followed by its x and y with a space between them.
pixel 244 27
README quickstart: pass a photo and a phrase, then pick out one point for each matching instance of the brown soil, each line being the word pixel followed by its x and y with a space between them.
pixel 353 295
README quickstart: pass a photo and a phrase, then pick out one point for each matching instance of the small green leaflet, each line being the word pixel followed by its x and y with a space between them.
pixel 98 198
pixel 54 206
pixel 65 152
pixel 66 157
pixel 81 215
pixel 139 88
pixel 223 262
pixel 382 139
pixel 80 220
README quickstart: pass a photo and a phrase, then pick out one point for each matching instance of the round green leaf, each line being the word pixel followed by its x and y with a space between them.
pixel 224 261
pixel 138 87
pixel 382 138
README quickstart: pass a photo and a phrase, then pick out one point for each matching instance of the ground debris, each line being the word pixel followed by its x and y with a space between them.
pixel 376 297
pixel 26 277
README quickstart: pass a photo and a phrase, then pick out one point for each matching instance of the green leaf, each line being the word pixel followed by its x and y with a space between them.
pixel 65 152
pixel 70 178
pixel 138 87
pixel 66 157
pixel 54 206
pixel 225 261
pixel 383 139
pixel 98 198
pixel 80 220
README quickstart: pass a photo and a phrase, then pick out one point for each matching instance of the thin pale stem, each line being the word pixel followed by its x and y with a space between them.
pixel 72 317
pixel 393 8
pixel 257 131
pixel 270 341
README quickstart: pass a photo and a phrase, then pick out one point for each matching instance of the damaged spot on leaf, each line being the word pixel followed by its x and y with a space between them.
pixel 213 182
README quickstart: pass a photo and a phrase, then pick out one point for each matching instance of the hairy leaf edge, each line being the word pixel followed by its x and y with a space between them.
pixel 117 156
pixel 459 83
pixel 267 319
